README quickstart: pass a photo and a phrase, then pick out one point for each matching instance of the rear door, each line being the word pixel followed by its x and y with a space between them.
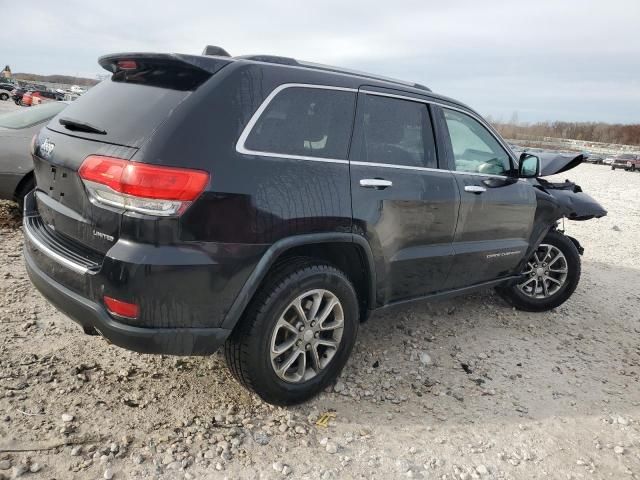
pixel 496 210
pixel 402 203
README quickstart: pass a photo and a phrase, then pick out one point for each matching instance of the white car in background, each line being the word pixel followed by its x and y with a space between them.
pixel 76 89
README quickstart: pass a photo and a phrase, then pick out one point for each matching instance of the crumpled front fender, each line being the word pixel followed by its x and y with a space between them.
pixel 571 201
pixel 578 205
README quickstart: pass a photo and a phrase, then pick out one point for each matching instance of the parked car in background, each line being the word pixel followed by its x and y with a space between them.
pixel 76 89
pixel 5 90
pixel 43 96
pixel 626 161
pixel 36 97
pixel 17 94
pixel 594 158
pixel 16 131
pixel 27 99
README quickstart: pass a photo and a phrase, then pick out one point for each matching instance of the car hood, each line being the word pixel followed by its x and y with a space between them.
pixel 552 163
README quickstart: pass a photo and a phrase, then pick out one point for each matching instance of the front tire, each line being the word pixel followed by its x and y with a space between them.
pixel 297 333
pixel 551 276
pixel 4 96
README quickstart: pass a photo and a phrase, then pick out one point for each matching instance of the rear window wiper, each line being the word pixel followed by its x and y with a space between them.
pixel 79 126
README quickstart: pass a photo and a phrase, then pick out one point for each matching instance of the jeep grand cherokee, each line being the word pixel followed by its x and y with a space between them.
pixel 268 205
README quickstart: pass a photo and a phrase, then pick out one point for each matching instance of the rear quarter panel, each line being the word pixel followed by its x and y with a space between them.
pixel 251 198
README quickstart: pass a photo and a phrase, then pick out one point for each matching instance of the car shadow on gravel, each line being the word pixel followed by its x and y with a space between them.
pixel 475 356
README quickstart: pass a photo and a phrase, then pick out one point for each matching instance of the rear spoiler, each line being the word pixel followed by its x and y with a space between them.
pixel 118 61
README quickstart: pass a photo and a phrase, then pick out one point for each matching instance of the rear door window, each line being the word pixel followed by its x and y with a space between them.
pixel 396 132
pixel 305 122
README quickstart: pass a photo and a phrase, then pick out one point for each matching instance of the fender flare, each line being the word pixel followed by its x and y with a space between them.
pixel 281 246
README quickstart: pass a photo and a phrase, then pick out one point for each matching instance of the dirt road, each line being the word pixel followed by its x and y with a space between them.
pixel 463 389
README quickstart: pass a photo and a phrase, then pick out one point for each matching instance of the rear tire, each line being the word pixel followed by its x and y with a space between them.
pixel 533 297
pixel 261 345
pixel 22 191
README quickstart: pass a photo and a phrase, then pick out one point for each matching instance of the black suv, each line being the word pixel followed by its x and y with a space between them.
pixel 268 205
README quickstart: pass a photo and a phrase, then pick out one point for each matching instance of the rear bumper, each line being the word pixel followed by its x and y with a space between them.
pixel 93 317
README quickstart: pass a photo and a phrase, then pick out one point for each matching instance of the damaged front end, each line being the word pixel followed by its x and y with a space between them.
pixel 572 202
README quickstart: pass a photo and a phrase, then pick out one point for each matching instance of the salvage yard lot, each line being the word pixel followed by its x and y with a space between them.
pixel 467 388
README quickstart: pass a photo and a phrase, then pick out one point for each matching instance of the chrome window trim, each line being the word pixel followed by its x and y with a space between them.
pixel 240 144
pixel 423 169
pixel 450 107
pixel 52 254
pixel 401 167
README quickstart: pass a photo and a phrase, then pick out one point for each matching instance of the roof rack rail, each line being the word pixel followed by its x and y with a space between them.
pixel 270 59
pixel 329 68
pixel 358 73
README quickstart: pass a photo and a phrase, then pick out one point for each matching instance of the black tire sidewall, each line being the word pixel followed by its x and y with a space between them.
pixel 265 381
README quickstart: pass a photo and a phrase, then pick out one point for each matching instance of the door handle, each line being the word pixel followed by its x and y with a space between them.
pixel 474 189
pixel 377 183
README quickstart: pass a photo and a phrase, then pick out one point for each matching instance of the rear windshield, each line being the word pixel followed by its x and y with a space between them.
pixel 28 117
pixel 128 107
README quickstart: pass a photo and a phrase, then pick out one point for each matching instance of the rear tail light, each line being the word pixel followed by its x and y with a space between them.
pixel 139 187
pixel 127 65
pixel 120 308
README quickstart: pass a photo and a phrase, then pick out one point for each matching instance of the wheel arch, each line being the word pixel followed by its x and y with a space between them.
pixel 19 190
pixel 357 263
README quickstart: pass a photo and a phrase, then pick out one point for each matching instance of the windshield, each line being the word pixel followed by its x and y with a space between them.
pixel 31 116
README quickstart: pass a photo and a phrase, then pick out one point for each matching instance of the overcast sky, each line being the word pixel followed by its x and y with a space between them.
pixel 544 59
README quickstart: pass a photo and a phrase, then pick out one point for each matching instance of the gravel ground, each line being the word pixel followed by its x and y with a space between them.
pixel 462 389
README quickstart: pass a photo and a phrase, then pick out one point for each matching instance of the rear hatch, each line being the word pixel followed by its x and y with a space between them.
pixel 113 119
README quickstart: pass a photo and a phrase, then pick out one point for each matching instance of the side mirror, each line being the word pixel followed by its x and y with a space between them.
pixel 529 166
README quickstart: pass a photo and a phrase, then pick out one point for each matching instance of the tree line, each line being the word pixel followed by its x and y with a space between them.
pixel 65 79
pixel 585 131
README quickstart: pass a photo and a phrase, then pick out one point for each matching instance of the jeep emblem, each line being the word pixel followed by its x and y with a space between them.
pixel 46 148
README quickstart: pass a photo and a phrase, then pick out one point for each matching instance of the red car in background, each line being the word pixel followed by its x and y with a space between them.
pixel 27 99
pixel 626 161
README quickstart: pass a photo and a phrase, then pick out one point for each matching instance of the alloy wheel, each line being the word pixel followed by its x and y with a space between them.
pixel 546 272
pixel 307 336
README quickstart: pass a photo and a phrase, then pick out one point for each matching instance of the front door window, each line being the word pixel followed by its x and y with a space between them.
pixel 475 150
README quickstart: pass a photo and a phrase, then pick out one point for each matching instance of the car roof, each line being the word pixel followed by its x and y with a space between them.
pixel 339 75
pixel 371 79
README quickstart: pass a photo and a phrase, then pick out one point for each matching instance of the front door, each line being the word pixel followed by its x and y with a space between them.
pixel 402 203
pixel 496 210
